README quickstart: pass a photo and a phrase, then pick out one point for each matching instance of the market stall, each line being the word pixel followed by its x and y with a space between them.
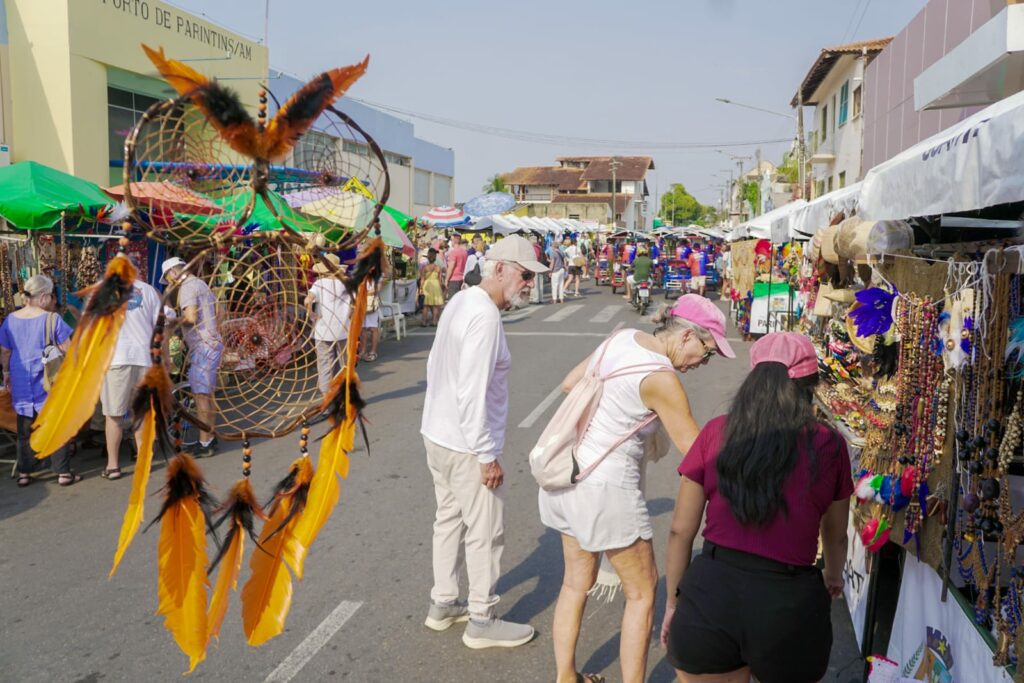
pixel 916 310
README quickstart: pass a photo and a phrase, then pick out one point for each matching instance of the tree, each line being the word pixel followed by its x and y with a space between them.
pixel 752 193
pixel 496 183
pixel 679 207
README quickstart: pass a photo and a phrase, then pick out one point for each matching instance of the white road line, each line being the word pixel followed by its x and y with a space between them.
pixel 541 408
pixel 529 334
pixel 519 315
pixel 301 655
pixel 606 314
pixel 563 313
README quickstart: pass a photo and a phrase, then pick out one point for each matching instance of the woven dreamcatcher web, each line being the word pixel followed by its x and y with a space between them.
pixel 251 204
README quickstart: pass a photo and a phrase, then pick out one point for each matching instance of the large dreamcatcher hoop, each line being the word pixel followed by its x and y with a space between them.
pixel 255 207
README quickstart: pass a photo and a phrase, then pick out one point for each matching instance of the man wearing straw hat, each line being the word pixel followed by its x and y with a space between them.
pixel 329 304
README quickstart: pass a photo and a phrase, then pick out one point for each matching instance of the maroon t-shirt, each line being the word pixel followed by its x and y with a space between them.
pixel 791 537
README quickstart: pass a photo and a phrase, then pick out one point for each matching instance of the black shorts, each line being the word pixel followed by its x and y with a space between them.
pixel 736 609
pixel 575 270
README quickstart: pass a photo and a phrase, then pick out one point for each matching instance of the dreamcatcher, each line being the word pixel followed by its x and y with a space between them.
pixel 200 173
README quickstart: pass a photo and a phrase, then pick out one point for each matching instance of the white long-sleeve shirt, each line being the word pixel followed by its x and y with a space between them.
pixel 466 404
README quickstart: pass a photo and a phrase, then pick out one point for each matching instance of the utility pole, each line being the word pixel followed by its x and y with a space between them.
pixel 614 164
pixel 801 149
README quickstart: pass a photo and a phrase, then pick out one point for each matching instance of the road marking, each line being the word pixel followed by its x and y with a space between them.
pixel 519 315
pixel 529 334
pixel 606 314
pixel 563 313
pixel 301 655
pixel 541 408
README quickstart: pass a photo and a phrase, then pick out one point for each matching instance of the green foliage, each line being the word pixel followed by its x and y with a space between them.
pixel 495 184
pixel 679 207
pixel 789 170
pixel 752 193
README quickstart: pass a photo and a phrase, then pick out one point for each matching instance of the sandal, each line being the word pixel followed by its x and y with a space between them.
pixel 68 478
pixel 589 678
pixel 370 357
pixel 24 480
pixel 111 474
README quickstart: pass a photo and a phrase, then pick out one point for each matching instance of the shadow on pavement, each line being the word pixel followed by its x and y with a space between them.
pixel 545 565
pixel 409 390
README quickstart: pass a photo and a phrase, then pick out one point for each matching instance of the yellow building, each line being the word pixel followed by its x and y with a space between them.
pixel 74 80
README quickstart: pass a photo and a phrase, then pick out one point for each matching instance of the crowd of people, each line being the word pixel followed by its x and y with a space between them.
pixel 766 482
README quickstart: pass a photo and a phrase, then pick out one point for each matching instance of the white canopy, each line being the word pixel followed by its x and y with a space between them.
pixel 975 164
pixel 816 214
pixel 761 226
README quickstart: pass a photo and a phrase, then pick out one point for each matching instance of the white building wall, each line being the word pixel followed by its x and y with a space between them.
pixel 845 142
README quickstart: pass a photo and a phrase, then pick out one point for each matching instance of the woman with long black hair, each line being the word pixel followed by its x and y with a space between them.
pixel 771 476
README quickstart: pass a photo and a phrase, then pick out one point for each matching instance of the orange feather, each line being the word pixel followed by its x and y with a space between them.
pixel 267 595
pixel 77 386
pixel 143 462
pixel 221 105
pixel 182 560
pixel 303 108
pixel 241 506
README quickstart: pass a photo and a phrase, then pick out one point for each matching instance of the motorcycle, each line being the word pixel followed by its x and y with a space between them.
pixel 641 296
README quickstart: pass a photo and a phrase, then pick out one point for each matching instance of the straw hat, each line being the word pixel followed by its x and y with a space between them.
pixel 321 268
pixel 828 244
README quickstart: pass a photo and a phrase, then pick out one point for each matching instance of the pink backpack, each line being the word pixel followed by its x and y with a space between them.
pixel 553 460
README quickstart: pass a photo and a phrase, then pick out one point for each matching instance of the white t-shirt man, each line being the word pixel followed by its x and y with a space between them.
pixel 334 306
pixel 132 346
pixel 466 404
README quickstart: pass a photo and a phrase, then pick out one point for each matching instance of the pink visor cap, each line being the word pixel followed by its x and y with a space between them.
pixel 701 311
pixel 792 349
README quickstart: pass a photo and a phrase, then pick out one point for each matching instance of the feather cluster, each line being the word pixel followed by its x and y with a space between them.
pixel 874 314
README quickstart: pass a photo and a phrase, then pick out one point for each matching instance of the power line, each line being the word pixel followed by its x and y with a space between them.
pixel 856 8
pixel 563 140
pixel 867 4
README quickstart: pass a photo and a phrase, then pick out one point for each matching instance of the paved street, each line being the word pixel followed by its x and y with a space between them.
pixel 358 614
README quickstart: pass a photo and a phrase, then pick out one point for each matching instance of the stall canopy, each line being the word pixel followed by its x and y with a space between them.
pixel 816 214
pixel 32 196
pixel 761 226
pixel 975 164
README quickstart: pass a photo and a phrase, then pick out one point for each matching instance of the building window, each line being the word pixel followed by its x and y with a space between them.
pixel 312 147
pixel 824 122
pixel 819 188
pixel 842 179
pixel 124 109
pixel 833 122
pixel 831 185
pixel 396 159
pixel 844 102
pixel 574 216
pixel 421 188
pixel 856 102
pixel 442 190
pixel 355 148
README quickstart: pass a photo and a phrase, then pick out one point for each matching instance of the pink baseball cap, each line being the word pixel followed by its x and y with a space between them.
pixel 792 349
pixel 701 311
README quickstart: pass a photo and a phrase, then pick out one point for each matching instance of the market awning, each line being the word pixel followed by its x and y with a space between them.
pixel 32 196
pixel 973 165
pixel 761 226
pixel 816 214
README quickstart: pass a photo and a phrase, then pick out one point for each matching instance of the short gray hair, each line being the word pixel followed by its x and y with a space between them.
pixel 666 323
pixel 37 285
pixel 488 269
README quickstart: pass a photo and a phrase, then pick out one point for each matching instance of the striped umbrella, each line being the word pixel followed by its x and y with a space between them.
pixel 445 217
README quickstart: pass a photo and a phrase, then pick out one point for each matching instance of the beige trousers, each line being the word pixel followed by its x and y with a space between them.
pixel 469 529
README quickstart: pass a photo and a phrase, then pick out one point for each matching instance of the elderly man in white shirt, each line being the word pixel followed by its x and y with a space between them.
pixel 463 428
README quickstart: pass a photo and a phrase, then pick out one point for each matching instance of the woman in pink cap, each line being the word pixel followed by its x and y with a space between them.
pixel 770 476
pixel 605 512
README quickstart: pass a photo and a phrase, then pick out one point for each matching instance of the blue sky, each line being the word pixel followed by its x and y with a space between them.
pixel 630 71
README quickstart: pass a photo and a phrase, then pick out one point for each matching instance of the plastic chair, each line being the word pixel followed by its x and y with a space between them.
pixel 390 312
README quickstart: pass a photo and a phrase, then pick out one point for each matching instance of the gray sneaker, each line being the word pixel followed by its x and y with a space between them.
pixel 441 617
pixel 496 633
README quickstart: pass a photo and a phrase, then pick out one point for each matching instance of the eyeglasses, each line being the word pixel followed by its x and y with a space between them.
pixel 708 351
pixel 527 275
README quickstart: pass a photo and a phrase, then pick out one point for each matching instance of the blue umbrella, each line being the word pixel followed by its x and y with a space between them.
pixel 489 204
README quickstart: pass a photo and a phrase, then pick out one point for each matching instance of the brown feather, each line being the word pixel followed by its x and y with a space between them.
pixel 299 112
pixel 241 507
pixel 140 478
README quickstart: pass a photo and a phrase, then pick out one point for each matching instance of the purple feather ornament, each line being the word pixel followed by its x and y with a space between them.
pixel 874 315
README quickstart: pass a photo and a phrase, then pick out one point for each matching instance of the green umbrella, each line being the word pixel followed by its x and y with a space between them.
pixel 262 218
pixel 32 196
pixel 402 219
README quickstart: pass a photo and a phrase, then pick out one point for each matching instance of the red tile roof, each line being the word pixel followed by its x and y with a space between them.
pixel 827 59
pixel 565 179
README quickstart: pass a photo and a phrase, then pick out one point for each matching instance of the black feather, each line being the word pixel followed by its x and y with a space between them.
pixel 241 514
pixel 310 102
pixel 185 483
pixel 367 265
pixel 223 105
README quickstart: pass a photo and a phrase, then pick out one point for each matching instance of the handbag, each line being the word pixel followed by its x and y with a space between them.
pixel 579 261
pixel 553 460
pixel 52 355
